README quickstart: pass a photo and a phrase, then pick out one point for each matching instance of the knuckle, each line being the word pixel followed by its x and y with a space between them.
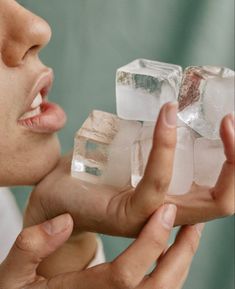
pixel 162 184
pixel 121 277
pixel 24 241
pixel 159 243
pixel 191 242
pixel 225 208
pixel 168 142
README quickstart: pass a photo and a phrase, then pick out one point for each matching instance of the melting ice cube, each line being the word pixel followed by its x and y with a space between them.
pixel 206 96
pixel 182 176
pixel 143 86
pixel 102 149
pixel 208 160
pixel 140 152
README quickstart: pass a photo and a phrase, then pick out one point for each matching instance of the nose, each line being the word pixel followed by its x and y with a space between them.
pixel 24 33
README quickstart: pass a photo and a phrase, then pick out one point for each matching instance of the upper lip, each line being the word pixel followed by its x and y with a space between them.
pixel 42 85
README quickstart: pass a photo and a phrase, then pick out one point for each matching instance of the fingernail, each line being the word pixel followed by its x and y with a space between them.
pixel 199 228
pixel 57 225
pixel 231 124
pixel 171 114
pixel 232 119
pixel 168 216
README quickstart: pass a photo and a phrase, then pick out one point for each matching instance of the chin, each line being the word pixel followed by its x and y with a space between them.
pixel 31 166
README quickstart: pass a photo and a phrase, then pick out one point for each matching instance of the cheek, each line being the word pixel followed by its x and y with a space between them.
pixel 25 157
pixel 26 160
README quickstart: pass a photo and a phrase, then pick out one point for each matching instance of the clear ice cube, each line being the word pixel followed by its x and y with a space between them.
pixel 206 96
pixel 143 86
pixel 208 160
pixel 182 176
pixel 140 152
pixel 102 149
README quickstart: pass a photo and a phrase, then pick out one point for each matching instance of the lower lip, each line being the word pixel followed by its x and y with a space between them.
pixel 51 119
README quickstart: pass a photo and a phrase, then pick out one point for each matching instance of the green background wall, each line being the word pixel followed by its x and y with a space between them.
pixel 92 38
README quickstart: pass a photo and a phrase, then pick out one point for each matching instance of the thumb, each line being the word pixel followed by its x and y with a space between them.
pixel 157 177
pixel 223 191
pixel 31 247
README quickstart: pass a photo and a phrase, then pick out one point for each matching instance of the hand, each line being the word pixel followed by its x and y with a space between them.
pixel 127 271
pixel 107 210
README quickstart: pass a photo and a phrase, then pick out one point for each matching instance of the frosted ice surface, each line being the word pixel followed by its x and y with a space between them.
pixel 206 96
pixel 102 149
pixel 182 176
pixel 143 86
pixel 208 160
pixel 140 152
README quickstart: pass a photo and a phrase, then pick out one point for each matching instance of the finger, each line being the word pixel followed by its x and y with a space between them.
pixel 174 266
pixel 227 136
pixel 194 207
pixel 131 266
pixel 158 171
pixel 204 204
pixel 31 247
pixel 223 192
pixel 127 270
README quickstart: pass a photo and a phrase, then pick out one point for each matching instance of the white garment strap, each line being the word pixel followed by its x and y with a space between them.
pixel 10 222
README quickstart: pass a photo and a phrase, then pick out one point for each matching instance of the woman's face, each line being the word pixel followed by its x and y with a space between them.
pixel 28 146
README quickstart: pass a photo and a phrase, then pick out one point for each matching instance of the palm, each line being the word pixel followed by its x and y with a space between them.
pixel 104 209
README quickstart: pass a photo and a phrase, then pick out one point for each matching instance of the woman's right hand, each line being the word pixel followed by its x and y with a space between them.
pixel 127 271
pixel 123 212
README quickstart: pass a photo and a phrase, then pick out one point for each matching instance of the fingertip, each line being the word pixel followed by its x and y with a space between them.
pixel 227 134
pixel 165 129
pixel 227 126
pixel 58 225
pixel 191 234
pixel 168 216
pixel 165 216
pixel 168 114
pixel 199 228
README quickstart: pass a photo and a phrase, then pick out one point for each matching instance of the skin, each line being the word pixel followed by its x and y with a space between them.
pixel 19 63
pixel 27 156
pixel 107 210
pixel 127 271
pixel 124 212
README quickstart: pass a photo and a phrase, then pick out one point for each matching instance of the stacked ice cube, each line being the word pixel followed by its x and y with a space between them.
pixel 114 150
pixel 102 149
pixel 206 96
pixel 143 86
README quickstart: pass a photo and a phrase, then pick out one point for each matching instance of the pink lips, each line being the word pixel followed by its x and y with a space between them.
pixel 52 117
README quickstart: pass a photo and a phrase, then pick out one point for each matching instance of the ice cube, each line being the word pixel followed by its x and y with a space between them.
pixel 140 152
pixel 182 176
pixel 143 86
pixel 102 149
pixel 206 96
pixel 208 160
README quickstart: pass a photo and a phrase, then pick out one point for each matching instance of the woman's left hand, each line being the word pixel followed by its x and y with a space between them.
pixel 127 271
pixel 106 210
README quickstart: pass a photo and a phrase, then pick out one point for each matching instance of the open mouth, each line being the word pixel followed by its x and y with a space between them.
pixel 43 116
pixel 35 108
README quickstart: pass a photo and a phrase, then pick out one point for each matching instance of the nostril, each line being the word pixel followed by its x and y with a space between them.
pixel 26 35
pixel 12 54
